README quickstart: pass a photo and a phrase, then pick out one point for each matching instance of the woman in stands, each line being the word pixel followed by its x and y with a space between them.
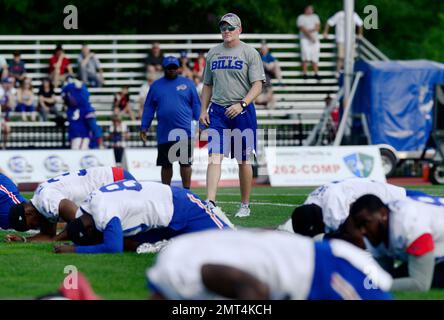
pixel 122 103
pixel 25 100
pixel 47 99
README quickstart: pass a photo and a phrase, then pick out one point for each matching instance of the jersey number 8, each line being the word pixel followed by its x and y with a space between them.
pixel 122 185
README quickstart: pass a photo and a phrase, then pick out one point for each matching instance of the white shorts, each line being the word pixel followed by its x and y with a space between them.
pixel 80 144
pixel 310 50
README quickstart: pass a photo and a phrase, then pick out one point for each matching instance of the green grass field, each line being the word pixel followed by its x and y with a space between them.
pixel 28 270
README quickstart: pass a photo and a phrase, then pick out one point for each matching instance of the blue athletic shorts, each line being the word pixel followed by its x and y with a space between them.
pixel 190 215
pixel 21 107
pixel 223 138
pixel 329 268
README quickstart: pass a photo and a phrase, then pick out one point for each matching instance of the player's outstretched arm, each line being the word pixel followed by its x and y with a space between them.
pixel 233 283
pixel 420 277
pixel 47 233
pixel 112 240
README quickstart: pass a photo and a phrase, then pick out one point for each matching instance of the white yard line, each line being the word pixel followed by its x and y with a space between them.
pixel 265 195
pixel 264 203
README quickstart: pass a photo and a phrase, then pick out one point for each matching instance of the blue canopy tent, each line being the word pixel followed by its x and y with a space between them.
pixel 397 99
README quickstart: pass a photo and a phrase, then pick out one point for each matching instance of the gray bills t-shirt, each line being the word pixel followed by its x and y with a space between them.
pixel 231 71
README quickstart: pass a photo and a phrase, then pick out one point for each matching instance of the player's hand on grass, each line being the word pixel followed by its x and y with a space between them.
pixel 143 136
pixel 234 110
pixel 64 248
pixel 205 119
pixel 14 238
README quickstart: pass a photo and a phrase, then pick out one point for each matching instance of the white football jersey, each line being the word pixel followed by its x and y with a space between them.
pixel 408 221
pixel 283 261
pixel 139 205
pixel 335 199
pixel 74 186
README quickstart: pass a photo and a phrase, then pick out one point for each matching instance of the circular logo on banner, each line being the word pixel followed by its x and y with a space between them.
pixel 55 164
pixel 89 161
pixel 18 164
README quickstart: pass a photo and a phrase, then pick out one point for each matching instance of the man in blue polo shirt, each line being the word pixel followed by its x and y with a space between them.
pixel 176 102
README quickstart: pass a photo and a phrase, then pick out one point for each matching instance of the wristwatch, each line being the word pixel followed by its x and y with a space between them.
pixel 243 104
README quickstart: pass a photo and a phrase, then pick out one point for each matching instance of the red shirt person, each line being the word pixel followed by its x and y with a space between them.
pixel 59 66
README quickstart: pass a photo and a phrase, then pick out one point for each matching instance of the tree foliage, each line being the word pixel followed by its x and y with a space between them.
pixel 408 29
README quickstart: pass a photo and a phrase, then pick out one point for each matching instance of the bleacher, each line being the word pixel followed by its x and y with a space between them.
pixel 300 102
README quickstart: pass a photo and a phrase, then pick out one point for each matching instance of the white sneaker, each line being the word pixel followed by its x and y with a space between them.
pixel 244 211
pixel 209 204
pixel 222 216
pixel 152 247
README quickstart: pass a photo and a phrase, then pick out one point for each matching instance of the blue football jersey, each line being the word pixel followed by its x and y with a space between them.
pixel 9 196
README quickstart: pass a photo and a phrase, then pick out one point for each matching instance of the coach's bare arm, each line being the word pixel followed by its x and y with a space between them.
pixel 205 97
pixel 233 283
pixel 255 91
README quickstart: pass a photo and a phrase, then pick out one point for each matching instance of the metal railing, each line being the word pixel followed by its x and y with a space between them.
pixel 368 51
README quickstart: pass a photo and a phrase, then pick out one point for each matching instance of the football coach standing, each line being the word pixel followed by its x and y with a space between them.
pixel 233 78
pixel 176 102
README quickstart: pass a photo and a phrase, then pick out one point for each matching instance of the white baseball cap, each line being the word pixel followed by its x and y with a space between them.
pixel 232 19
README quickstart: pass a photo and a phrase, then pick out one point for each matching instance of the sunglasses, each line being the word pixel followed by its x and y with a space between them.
pixel 225 28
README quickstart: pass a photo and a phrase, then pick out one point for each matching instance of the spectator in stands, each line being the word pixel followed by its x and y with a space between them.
pixel 153 61
pixel 144 89
pixel 17 69
pixel 25 100
pixel 338 21
pixel 59 66
pixel 90 71
pixel 122 103
pixel 83 129
pixel 185 66
pixel 3 68
pixel 198 83
pixel 199 64
pixel 46 99
pixel 117 137
pixel 8 96
pixel 5 132
pixel 309 25
pixel 333 122
pixel 271 65
pixel 266 98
